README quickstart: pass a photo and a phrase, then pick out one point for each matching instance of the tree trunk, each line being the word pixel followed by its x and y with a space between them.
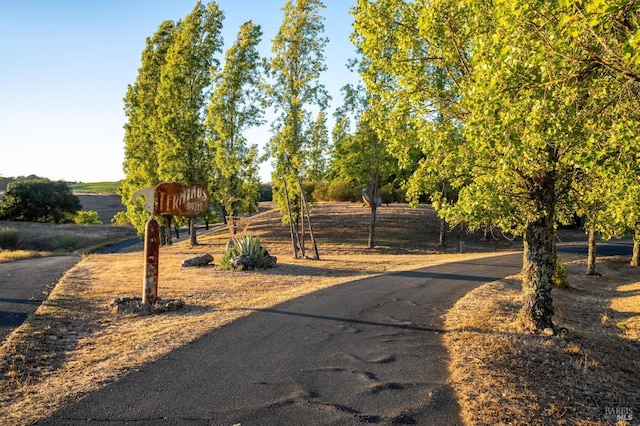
pixel 169 221
pixel 192 230
pixel 292 226
pixel 372 226
pixel 537 309
pixel 591 255
pixel 443 223
pixel 301 220
pixel 635 257
pixel 306 210
pixel 163 235
pixel 443 233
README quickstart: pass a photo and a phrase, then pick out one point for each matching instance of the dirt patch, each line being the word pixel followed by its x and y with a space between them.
pixel 586 376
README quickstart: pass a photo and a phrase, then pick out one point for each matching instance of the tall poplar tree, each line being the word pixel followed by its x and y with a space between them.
pixel 182 98
pixel 315 164
pixel 295 70
pixel 236 105
pixel 141 137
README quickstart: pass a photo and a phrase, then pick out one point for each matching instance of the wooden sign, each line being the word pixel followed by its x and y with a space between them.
pixel 181 200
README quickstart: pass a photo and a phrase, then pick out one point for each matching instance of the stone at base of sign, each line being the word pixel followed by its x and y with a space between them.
pixel 200 261
pixel 134 305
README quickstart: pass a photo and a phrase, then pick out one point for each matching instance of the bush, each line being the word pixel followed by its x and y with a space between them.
pixel 39 201
pixel 342 190
pixel 248 247
pixel 87 218
pixel 120 219
pixel 309 188
pixel 8 239
pixel 391 194
pixel 559 277
pixel 321 191
pixel 66 243
pixel 266 192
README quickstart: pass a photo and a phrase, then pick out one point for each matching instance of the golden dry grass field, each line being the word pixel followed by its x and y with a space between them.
pixel 75 344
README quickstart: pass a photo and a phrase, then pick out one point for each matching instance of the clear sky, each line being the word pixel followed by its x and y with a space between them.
pixel 65 66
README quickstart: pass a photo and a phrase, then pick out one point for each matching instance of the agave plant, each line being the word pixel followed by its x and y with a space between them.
pixel 250 252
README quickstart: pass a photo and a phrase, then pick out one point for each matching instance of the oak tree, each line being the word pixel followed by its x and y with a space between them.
pixel 505 82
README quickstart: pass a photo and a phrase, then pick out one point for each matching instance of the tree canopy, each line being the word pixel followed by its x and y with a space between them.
pixel 39 200
pixel 295 89
pixel 186 116
pixel 235 105
pixel 510 103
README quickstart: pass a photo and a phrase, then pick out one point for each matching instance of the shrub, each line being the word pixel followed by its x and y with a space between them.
pixel 391 194
pixel 89 217
pixel 66 243
pixel 120 218
pixel 559 277
pixel 342 190
pixel 8 239
pixel 249 247
pixel 309 188
pixel 39 201
pixel 266 192
pixel 320 192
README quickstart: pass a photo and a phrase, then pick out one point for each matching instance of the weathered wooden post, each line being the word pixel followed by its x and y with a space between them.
pixel 151 257
pixel 166 198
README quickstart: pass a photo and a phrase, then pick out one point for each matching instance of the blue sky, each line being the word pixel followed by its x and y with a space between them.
pixel 65 66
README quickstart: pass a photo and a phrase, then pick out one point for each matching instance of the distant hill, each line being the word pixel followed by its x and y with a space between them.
pixel 89 188
pixel 96 187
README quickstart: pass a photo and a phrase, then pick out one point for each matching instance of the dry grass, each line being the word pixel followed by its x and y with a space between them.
pixel 11 255
pixel 37 237
pixel 501 376
pixel 581 378
pixel 75 331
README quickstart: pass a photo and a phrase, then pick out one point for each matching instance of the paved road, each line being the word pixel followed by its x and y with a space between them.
pixel 24 284
pixel 365 352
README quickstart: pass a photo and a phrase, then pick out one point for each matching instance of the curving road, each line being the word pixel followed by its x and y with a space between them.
pixel 364 352
pixel 368 351
pixel 25 284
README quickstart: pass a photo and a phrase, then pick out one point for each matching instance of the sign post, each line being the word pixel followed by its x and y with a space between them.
pixel 165 199
pixel 151 262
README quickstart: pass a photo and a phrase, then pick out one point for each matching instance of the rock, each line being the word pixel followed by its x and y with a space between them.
pixel 199 261
pixel 272 262
pixel 242 263
pixel 134 305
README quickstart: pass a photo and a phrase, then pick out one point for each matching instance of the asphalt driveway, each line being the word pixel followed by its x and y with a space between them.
pixel 25 284
pixel 368 351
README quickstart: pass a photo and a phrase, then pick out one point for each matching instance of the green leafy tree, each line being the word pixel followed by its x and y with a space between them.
pixel 315 161
pixel 142 137
pixel 89 217
pixel 295 70
pixel 182 95
pixel 234 107
pixel 502 77
pixel 39 201
pixel 361 157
